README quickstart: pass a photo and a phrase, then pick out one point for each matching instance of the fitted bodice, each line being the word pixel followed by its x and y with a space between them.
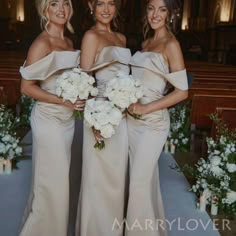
pixel 108 62
pixel 46 71
pixel 153 71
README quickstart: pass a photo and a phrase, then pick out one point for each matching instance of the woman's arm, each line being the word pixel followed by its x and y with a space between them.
pixel 37 51
pixel 174 56
pixel 89 50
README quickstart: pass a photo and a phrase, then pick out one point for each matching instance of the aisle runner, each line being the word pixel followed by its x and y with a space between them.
pixel 183 219
pixel 181 214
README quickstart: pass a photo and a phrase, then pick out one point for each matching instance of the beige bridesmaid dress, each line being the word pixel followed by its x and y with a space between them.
pixel 52 130
pixel 102 194
pixel 145 213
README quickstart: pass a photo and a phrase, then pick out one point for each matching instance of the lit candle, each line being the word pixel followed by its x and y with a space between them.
pixel 172 148
pixel 8 167
pixel 214 207
pixel 166 149
pixel 202 205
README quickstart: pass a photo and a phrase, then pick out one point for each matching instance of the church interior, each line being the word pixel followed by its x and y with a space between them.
pixel 206 30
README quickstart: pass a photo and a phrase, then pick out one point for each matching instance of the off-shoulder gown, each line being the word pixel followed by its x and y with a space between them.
pixel 52 130
pixel 104 171
pixel 147 137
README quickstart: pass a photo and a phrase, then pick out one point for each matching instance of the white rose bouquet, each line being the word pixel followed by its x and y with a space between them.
pixel 103 116
pixel 9 146
pixel 74 84
pixel 123 90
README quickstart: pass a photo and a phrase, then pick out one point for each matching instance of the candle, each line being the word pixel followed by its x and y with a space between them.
pixel 172 149
pixel 202 205
pixel 1 165
pixel 166 149
pixel 214 207
pixel 8 167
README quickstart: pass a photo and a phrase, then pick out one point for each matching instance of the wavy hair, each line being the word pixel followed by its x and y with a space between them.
pixel 42 8
pixel 147 31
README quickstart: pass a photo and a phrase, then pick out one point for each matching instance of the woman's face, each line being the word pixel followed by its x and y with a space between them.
pixel 59 11
pixel 105 10
pixel 157 14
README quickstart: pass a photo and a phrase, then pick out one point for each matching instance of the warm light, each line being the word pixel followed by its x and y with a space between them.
pixel 186 14
pixel 20 14
pixel 225 10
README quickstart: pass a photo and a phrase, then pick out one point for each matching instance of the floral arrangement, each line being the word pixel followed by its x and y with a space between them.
pixel 9 142
pixel 216 176
pixel 123 90
pixel 103 116
pixel 26 104
pixel 8 121
pixel 179 134
pixel 74 84
pixel 9 146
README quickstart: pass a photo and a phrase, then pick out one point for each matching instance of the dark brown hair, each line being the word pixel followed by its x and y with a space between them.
pixel 116 21
pixel 147 31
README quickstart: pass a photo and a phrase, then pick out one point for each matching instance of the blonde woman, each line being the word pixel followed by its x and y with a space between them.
pixel 52 121
pixel 159 62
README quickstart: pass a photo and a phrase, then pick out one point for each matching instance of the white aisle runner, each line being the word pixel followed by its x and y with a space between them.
pixel 183 219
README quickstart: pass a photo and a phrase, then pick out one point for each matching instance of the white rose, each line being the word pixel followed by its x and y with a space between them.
pixel 18 150
pixel 107 131
pixel 231 167
pixel 231 197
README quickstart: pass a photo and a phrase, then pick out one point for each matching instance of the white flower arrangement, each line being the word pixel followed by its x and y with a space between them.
pixel 179 134
pixel 8 121
pixel 9 146
pixel 75 83
pixel 102 116
pixel 123 90
pixel 217 173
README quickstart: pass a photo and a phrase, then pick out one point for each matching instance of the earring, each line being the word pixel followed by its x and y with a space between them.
pixel 91 12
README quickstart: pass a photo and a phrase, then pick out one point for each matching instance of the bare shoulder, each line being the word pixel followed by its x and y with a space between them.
pixel 91 36
pixel 122 38
pixel 172 46
pixel 174 54
pixel 38 49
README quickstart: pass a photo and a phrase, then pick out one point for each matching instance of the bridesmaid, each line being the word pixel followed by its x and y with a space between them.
pixel 102 195
pixel 159 62
pixel 52 121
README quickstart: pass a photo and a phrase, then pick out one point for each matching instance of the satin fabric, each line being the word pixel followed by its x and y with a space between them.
pixel 102 194
pixel 52 131
pixel 147 136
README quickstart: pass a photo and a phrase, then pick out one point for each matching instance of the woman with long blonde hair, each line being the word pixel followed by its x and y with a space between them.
pixel 52 121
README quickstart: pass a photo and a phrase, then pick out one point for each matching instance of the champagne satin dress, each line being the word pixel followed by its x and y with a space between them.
pixel 145 214
pixel 104 171
pixel 52 130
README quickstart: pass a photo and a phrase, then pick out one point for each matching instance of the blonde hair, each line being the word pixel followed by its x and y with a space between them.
pixel 42 8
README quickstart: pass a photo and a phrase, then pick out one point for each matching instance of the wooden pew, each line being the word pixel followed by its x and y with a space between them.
pixel 205 104
pixel 227 115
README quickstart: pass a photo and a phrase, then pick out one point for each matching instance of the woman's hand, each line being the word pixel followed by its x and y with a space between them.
pixel 78 105
pixel 97 135
pixel 137 108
